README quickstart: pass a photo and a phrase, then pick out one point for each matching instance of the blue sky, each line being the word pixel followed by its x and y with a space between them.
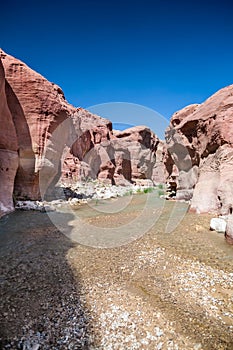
pixel 160 54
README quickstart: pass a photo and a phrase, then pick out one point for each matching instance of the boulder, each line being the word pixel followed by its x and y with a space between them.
pixel 218 224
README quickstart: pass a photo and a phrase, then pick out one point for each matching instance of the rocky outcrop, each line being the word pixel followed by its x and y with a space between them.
pixel 199 141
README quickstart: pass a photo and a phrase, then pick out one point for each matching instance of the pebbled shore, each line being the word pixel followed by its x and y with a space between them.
pixel 162 291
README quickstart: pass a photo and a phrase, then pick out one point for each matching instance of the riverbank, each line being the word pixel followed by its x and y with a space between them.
pixel 79 193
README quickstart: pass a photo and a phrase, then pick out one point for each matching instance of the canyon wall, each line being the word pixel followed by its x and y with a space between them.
pixel 43 137
pixel 132 155
pixel 200 142
pixel 8 150
pixel 31 110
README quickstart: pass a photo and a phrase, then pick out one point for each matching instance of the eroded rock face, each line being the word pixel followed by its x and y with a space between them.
pixel 199 140
pixel 142 144
pixel 37 107
pixel 42 136
pixel 120 157
pixel 8 150
pixel 160 167
pixel 71 141
pixel 42 123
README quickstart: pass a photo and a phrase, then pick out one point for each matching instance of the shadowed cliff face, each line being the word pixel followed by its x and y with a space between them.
pixel 8 150
pixel 26 180
pixel 31 110
pixel 37 107
pixel 199 140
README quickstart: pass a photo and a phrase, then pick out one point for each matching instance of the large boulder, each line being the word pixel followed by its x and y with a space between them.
pixel 218 224
pixel 199 140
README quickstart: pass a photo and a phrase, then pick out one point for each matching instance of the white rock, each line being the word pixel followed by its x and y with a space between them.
pixel 159 346
pixel 29 205
pixel 75 203
pixel 49 208
pixel 218 224
pixel 35 347
pixel 158 332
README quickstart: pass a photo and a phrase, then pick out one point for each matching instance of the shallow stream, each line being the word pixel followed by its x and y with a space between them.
pixel 156 251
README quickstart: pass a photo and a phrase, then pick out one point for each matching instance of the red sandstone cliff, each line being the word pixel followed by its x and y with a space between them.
pixel 8 149
pixel 200 141
pixel 32 109
pixel 43 135
pixel 40 130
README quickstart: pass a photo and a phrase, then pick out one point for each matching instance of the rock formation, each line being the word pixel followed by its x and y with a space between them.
pixel 8 149
pixel 37 107
pixel 141 144
pixel 199 140
pixel 31 110
pixel 43 135
pixel 122 158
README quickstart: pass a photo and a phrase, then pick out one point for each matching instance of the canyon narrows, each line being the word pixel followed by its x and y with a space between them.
pixel 161 290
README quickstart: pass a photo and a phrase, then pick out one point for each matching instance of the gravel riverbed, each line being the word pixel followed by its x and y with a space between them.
pixel 162 291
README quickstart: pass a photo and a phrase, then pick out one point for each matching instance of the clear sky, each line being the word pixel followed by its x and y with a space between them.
pixel 160 54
